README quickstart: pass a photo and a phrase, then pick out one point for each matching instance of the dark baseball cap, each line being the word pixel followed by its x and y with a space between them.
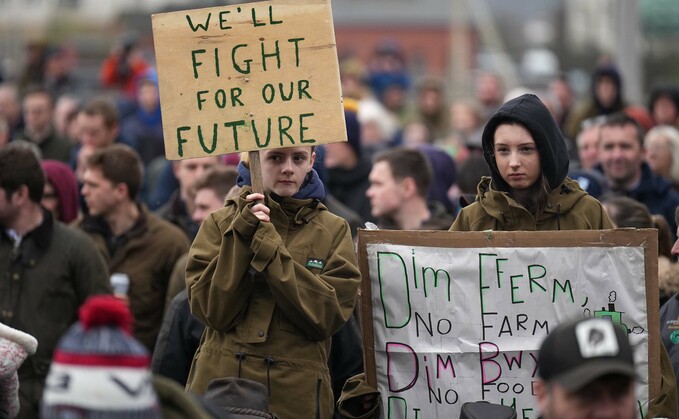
pixel 579 352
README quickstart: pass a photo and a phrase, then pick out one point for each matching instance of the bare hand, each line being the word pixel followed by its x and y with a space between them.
pixel 260 210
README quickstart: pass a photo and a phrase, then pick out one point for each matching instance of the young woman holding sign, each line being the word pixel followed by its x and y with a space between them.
pixel 273 276
pixel 528 188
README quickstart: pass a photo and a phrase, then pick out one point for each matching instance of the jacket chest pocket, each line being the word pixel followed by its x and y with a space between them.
pixel 57 298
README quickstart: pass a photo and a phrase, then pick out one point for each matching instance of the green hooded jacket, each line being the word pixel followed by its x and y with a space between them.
pixel 569 208
pixel 271 295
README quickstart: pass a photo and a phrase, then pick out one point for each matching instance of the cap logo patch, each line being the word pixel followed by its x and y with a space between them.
pixel 313 263
pixel 596 338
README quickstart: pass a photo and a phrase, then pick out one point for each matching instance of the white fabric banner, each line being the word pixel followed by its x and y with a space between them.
pixel 453 325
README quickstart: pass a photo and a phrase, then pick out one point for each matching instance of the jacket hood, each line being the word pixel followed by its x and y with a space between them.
pixel 350 177
pixel 312 187
pixel 530 112
pixel 611 72
pixel 66 187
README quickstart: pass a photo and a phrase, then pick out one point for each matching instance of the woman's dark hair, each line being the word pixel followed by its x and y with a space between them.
pixel 664 236
pixel 539 197
pixel 627 212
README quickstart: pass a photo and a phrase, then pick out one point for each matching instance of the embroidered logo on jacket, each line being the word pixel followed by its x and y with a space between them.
pixel 313 263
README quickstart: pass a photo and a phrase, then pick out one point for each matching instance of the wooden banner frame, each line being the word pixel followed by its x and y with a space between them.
pixel 645 238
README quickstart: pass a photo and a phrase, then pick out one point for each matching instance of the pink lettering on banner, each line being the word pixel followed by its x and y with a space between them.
pixel 488 351
pixel 393 349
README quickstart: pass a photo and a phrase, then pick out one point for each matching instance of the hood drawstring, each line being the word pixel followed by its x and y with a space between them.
pixel 240 356
pixel 269 363
pixel 558 216
pixel 305 213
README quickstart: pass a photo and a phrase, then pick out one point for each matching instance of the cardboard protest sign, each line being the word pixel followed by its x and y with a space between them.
pixel 449 318
pixel 248 77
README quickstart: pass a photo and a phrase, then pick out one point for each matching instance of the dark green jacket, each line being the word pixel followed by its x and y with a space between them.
pixel 147 253
pixel 570 208
pixel 53 147
pixel 43 283
pixel 272 294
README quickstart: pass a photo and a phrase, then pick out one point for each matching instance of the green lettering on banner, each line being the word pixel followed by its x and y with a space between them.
pixel 204 26
pixel 234 125
pixel 255 22
pixel 236 66
pixel 283 131
pixel 180 140
pixel 384 286
pixel 195 63
pixel 296 41
pixel 235 96
pixel 268 133
pixel 565 288
pixel 214 139
pixel 260 61
pixel 532 278
pixel 515 300
pixel 276 53
pixel 222 20
pixel 303 128
pixel 302 85
pixel 271 19
pixel 199 98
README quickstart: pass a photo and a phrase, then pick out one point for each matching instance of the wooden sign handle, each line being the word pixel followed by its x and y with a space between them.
pixel 255 172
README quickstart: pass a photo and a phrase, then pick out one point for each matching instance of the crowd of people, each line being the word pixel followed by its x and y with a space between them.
pixel 261 286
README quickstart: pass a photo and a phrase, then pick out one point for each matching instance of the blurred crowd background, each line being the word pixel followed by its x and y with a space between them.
pixel 527 42
pixel 426 71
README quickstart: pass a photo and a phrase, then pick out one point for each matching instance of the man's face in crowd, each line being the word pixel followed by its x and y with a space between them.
pixel 8 211
pixel 10 108
pixel 92 131
pixel 620 153
pixel 489 90
pixel 101 195
pixel 664 111
pixel 189 170
pixel 588 147
pixel 609 397
pixel 37 112
pixel 659 155
pixel 386 194
pixel 675 246
pixel 205 202
pixel 339 155
pixel 148 96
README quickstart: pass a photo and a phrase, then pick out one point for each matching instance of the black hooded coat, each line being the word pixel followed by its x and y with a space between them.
pixel 568 206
